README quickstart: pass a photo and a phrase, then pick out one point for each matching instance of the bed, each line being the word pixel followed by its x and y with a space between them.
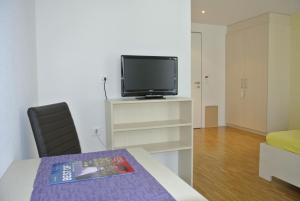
pixel 280 157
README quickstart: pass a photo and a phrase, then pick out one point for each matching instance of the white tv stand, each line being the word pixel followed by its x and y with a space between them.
pixel 157 125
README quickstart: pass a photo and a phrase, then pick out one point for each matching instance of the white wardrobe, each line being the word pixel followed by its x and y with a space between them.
pixel 257 73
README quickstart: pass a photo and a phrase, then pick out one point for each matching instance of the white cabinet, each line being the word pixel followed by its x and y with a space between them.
pixel 155 125
pixel 257 73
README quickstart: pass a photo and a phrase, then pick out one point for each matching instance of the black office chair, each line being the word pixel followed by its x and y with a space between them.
pixel 54 130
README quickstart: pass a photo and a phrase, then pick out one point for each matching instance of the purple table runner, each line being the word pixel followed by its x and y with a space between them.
pixel 137 186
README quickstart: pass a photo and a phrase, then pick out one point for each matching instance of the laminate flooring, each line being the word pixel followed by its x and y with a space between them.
pixel 226 163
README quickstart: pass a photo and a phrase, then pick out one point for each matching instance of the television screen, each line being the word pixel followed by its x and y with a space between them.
pixel 148 75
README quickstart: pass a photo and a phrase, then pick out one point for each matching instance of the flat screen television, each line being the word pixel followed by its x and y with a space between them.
pixel 149 76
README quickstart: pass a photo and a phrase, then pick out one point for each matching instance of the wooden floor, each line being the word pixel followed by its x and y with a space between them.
pixel 226 168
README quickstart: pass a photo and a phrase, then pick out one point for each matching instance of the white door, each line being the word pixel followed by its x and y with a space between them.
pixel 196 77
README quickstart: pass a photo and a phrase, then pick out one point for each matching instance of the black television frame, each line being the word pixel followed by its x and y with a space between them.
pixel 152 93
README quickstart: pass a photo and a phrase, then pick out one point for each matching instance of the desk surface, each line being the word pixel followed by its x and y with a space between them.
pixel 17 182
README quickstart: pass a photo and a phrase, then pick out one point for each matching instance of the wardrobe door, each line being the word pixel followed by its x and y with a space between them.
pixel 256 77
pixel 234 73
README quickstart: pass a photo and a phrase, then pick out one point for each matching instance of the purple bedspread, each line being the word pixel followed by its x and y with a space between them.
pixel 137 186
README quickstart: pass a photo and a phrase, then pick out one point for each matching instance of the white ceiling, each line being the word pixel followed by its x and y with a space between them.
pixel 224 12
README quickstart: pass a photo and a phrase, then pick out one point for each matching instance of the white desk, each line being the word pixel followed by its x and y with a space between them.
pixel 17 182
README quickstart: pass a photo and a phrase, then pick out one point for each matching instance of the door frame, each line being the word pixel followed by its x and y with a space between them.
pixel 201 79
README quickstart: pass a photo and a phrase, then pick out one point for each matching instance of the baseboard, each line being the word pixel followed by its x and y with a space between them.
pixel 247 129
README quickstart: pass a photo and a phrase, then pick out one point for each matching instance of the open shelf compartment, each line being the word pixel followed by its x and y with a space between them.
pixel 150 125
pixel 161 147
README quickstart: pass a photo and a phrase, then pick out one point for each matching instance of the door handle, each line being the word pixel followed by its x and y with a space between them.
pixel 196 82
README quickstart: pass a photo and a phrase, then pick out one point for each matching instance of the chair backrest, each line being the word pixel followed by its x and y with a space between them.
pixel 54 130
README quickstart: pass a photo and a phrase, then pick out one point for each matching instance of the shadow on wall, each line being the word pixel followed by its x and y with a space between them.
pixel 26 143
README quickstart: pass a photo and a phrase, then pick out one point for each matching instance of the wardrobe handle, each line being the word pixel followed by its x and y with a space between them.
pixel 244 83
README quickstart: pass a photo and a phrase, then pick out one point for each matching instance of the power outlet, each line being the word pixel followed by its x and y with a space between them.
pixel 102 78
pixel 97 131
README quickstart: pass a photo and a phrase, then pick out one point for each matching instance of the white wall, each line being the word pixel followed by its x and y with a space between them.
pixel 17 80
pixel 80 41
pixel 213 65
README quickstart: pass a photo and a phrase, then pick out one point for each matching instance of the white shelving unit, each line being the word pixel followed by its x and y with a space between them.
pixel 155 125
